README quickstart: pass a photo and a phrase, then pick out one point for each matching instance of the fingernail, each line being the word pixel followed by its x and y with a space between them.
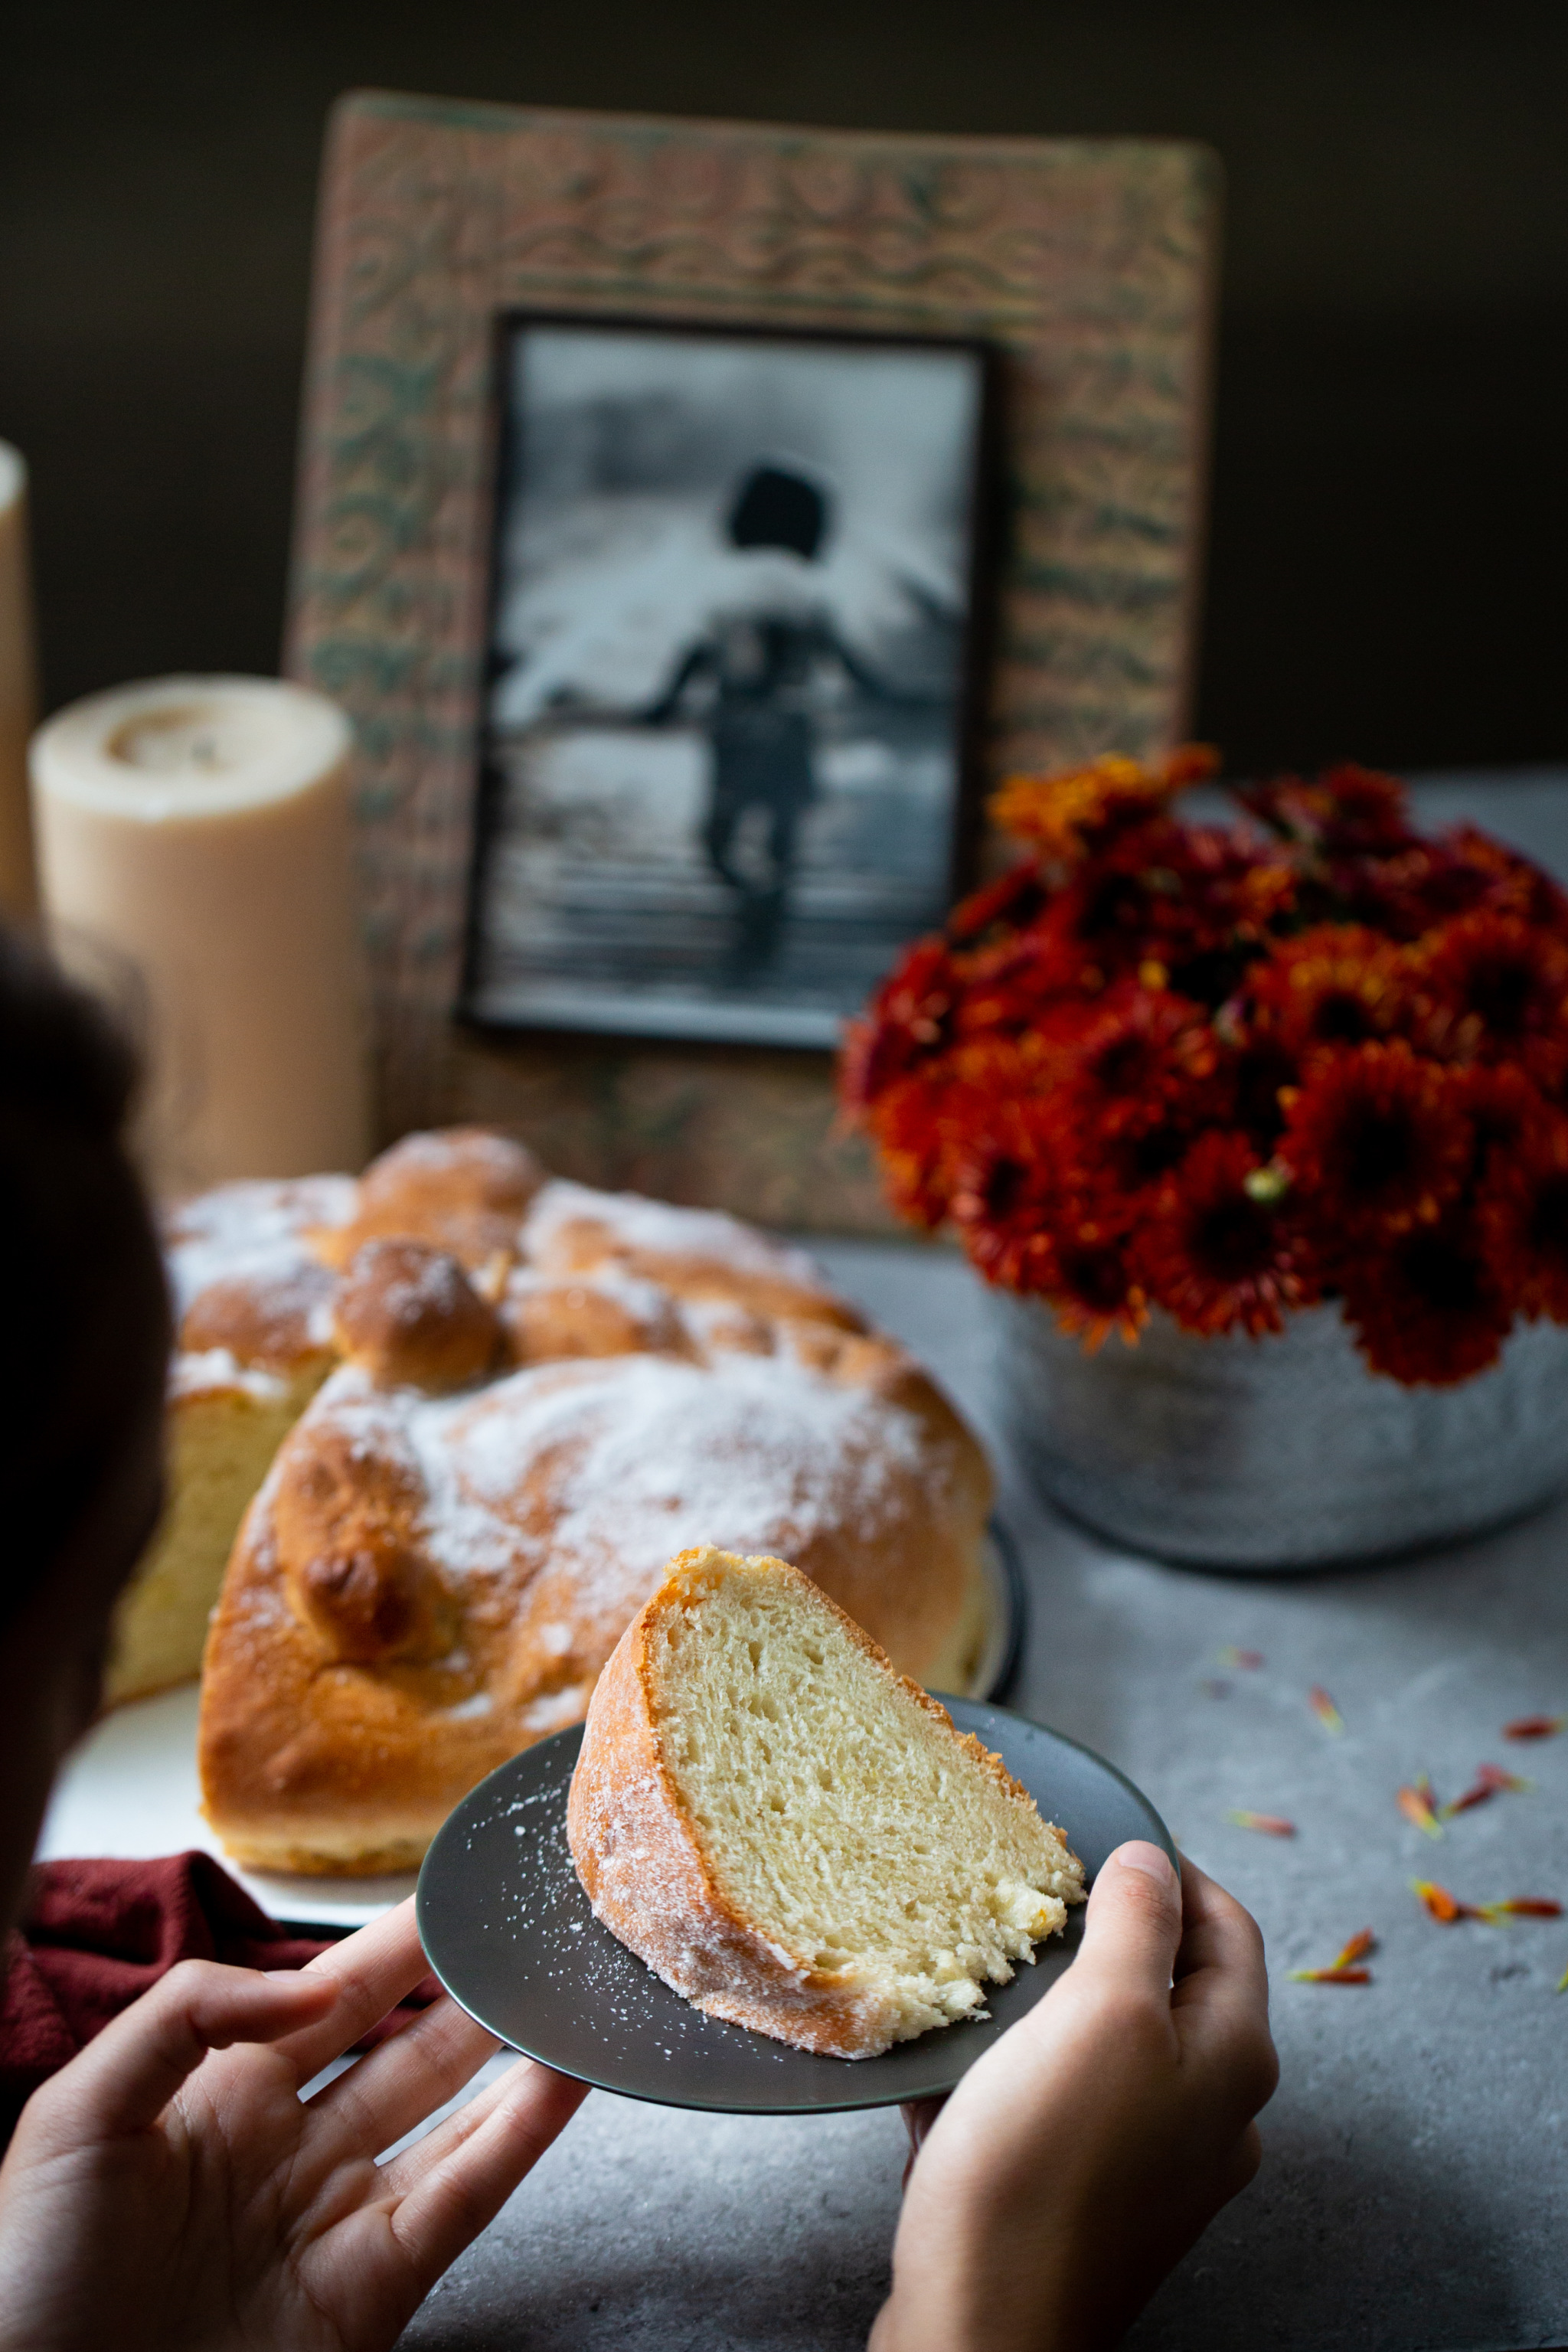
pixel 1152 1860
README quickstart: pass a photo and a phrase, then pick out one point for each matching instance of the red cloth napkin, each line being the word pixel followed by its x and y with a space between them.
pixel 96 1933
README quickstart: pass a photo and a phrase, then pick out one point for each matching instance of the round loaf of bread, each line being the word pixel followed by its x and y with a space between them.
pixel 430 1580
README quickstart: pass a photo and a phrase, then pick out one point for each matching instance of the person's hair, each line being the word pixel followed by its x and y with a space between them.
pixel 775 508
pixel 88 1325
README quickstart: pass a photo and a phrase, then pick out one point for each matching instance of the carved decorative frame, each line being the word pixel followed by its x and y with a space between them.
pixel 1087 265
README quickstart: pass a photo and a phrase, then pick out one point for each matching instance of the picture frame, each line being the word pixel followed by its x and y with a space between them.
pixel 738 858
pixel 1086 265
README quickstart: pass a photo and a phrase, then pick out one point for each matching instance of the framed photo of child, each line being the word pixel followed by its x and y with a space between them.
pixel 643 530
pixel 735 659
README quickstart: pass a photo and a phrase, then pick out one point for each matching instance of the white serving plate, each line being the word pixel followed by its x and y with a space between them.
pixel 130 1789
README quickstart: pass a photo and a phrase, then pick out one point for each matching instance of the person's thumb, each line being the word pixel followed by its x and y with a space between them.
pixel 1133 1924
pixel 125 2078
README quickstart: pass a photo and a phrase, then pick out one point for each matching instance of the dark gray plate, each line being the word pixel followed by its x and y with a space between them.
pixel 510 1934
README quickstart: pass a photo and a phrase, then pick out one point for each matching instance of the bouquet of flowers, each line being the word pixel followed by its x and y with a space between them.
pixel 1231 1070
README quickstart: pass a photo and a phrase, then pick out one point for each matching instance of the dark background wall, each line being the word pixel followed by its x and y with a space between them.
pixel 1390 498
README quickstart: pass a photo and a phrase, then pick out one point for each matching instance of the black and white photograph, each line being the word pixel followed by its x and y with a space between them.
pixel 732 673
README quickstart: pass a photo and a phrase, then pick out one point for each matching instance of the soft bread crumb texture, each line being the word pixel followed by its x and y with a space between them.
pixel 882 1868
pixel 222 1440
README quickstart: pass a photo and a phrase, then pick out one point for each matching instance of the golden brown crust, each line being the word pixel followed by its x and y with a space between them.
pixel 380 1602
pixel 557 1321
pixel 336 1764
pixel 462 1188
pixel 642 1862
pixel 266 1324
pixel 363 1671
pixel 640 1858
pixel 408 1315
pixel 693 1256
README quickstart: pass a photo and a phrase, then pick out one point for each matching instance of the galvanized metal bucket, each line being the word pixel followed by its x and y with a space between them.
pixel 1280 1452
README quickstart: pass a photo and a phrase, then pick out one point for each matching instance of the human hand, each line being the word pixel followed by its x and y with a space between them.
pixel 1093 2144
pixel 168 2188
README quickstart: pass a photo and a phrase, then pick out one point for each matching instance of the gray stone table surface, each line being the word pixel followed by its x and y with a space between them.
pixel 1414 2192
pixel 1414 2196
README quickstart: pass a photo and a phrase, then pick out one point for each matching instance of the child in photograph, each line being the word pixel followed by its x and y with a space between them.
pixel 761 662
pixel 169 2188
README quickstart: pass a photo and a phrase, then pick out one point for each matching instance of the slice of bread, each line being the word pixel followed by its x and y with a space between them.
pixel 793 1834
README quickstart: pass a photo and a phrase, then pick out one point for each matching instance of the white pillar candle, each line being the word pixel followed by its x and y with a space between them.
pixel 19 687
pixel 195 865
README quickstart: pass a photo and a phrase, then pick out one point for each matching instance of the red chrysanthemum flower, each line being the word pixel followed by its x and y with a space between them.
pixel 1096 1290
pixel 1367 811
pixel 1004 907
pixel 1498 991
pixel 1522 1216
pixel 928 1125
pixel 1006 1199
pixel 1405 894
pixel 905 1023
pixel 1139 1056
pixel 1513 884
pixel 1168 1062
pixel 1036 1218
pixel 1016 986
pixel 1337 985
pixel 1375 1143
pixel 1347 811
pixel 1221 1249
pixel 1258 1075
pixel 912 1148
pixel 1428 1308
pixel 1191 902
pixel 1502 1103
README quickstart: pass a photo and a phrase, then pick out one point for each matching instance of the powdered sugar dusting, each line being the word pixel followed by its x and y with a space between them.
pixel 212 1370
pixel 636 1224
pixel 611 1465
pixel 648 1302
pixel 432 1285
pixel 439 1150
pixel 642 1455
pixel 252 1231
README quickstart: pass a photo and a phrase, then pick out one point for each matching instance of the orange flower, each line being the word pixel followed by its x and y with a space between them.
pixel 1061 811
pixel 1377 1143
pixel 906 1121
